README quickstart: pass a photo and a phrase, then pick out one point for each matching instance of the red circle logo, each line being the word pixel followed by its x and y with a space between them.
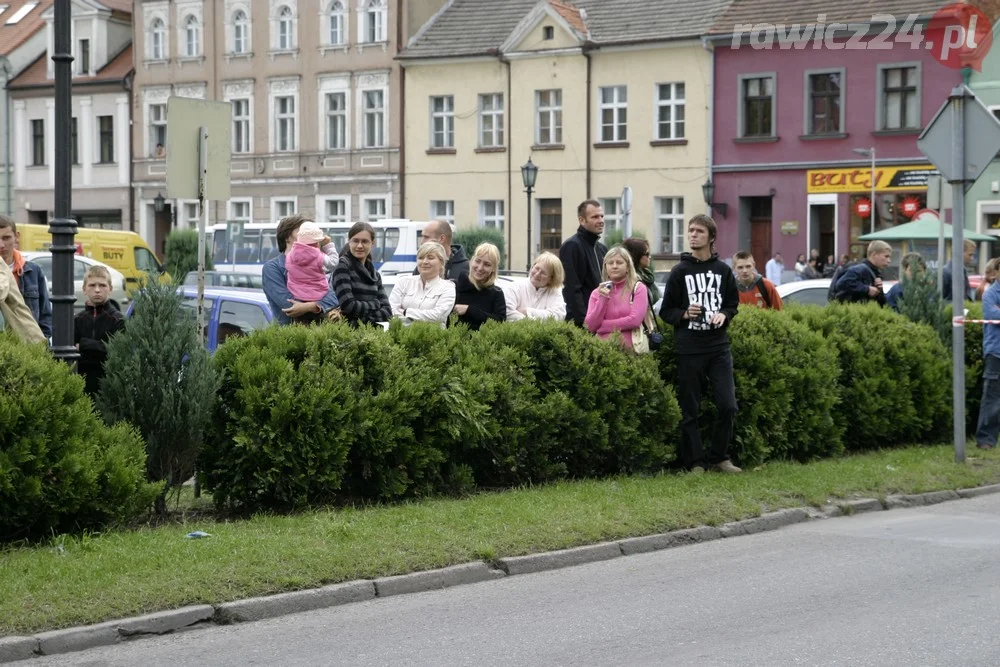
pixel 959 35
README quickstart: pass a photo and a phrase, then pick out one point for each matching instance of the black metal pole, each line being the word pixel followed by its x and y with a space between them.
pixel 63 227
pixel 528 260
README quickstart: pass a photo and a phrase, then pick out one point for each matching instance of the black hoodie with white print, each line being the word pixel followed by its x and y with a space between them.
pixel 709 283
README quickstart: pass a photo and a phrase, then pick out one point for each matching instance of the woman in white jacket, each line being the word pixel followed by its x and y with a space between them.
pixel 540 296
pixel 427 296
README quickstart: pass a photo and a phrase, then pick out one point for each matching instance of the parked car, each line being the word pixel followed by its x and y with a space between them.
pixel 119 296
pixel 813 292
pixel 228 312
pixel 226 279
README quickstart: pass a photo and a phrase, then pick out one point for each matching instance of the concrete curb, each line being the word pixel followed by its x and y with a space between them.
pixel 418 582
pixel 257 609
pixel 80 638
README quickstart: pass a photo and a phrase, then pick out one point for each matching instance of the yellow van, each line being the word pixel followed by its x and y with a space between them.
pixel 124 251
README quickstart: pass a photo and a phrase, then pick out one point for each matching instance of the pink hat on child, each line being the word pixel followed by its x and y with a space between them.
pixel 309 232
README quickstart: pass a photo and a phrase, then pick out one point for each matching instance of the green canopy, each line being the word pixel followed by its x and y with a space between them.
pixel 924 228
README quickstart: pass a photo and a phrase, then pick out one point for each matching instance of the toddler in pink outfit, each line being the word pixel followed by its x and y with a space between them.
pixel 307 265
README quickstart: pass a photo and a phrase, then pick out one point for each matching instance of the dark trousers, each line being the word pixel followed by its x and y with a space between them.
pixel 692 371
pixel 989 408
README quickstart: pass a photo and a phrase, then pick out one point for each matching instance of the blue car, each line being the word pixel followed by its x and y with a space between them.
pixel 228 312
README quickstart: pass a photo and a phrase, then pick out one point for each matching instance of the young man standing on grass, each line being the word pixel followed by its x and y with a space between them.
pixel 700 301
pixel 988 425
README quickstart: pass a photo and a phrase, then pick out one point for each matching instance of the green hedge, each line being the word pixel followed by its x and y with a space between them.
pixel 61 469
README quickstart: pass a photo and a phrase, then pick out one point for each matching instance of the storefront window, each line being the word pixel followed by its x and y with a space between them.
pixel 889 212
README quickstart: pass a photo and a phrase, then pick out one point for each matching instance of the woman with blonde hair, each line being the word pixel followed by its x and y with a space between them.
pixel 619 303
pixel 427 296
pixel 540 296
pixel 477 298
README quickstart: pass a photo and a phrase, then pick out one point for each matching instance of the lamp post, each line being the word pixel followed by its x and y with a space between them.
pixel 870 152
pixel 529 172
pixel 708 192
pixel 63 227
pixel 7 70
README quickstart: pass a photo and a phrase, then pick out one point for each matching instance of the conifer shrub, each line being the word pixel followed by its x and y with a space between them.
pixel 61 469
pixel 181 253
pixel 973 363
pixel 470 237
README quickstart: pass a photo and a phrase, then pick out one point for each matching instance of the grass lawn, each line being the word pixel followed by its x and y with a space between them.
pixel 71 581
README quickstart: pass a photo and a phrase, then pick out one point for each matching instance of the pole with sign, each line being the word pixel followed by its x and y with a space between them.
pixel 627 212
pixel 961 140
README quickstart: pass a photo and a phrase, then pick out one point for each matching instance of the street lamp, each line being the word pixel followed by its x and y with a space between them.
pixel 159 202
pixel 529 172
pixel 866 152
pixel 63 227
pixel 7 70
pixel 708 192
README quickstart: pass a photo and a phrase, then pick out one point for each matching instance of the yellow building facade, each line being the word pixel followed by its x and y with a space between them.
pixel 593 118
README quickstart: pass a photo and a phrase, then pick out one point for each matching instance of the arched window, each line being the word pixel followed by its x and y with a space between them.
pixel 374 20
pixel 241 29
pixel 286 27
pixel 158 40
pixel 192 36
pixel 337 22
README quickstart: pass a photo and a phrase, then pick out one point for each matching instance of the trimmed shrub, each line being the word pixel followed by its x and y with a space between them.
pixel 973 364
pixel 471 237
pixel 159 378
pixel 61 468
pixel 181 253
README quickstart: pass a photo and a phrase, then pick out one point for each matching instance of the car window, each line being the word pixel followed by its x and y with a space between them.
pixel 268 244
pixel 146 262
pixel 390 243
pixel 220 248
pixel 44 262
pixel 239 319
pixel 813 296
pixel 79 270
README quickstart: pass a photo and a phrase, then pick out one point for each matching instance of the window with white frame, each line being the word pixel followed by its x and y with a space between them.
pixel 614 113
pixel 157 129
pixel 612 214
pixel 548 117
pixel 284 123
pixel 157 39
pixel 192 36
pixel 373 118
pixel 241 125
pixel 491 120
pixel 372 19
pixel 337 16
pixel 334 209
pixel 669 227
pixel 240 210
pixel 336 121
pixel 374 208
pixel 442 121
pixel 285 37
pixel 190 215
pixel 283 206
pixel 241 32
pixel 443 210
pixel 491 213
pixel 669 111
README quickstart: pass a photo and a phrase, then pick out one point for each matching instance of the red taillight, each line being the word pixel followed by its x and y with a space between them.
pixel 79 248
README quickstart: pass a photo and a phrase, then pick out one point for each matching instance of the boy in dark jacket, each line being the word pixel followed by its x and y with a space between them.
pixel 94 327
pixel 700 301
pixel 862 282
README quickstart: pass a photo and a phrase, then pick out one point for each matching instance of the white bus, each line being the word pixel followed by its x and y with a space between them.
pixel 394 251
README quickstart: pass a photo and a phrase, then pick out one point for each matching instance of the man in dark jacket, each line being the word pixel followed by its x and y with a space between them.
pixel 582 257
pixel 700 300
pixel 969 248
pixel 862 282
pixel 94 327
pixel 30 279
pixel 440 231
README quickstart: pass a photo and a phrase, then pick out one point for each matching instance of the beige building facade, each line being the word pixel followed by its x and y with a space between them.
pixel 315 94
pixel 594 115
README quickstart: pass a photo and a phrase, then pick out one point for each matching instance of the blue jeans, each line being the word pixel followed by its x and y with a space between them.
pixel 989 408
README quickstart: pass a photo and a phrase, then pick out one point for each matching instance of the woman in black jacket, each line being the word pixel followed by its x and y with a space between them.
pixel 357 284
pixel 477 298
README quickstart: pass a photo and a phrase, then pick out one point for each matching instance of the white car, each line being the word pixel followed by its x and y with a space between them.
pixel 119 296
pixel 813 292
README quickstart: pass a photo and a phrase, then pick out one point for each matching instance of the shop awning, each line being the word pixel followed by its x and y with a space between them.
pixel 924 228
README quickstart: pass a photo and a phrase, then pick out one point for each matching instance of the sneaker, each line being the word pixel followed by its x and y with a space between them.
pixel 697 470
pixel 727 466
pixel 983 445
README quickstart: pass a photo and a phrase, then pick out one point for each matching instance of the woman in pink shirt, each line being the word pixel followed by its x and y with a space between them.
pixel 619 303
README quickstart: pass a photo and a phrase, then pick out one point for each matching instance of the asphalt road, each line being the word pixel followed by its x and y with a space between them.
pixel 906 587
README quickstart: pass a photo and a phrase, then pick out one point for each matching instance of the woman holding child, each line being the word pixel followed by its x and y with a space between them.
pixel 427 296
pixel 619 304
pixel 357 283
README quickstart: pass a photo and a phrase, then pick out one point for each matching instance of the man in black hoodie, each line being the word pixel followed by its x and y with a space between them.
pixel 440 231
pixel 582 257
pixel 700 300
pixel 94 327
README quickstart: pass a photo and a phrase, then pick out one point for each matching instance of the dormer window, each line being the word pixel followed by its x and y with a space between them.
pixel 84 56
pixel 548 32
